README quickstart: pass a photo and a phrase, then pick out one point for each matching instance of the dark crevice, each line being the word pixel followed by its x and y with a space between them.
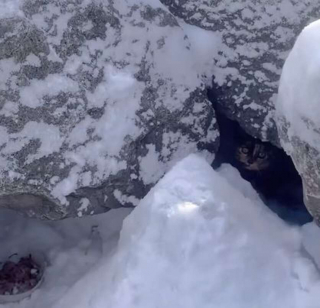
pixel 268 168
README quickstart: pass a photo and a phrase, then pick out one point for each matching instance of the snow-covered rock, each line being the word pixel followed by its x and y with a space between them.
pixel 298 112
pixel 97 100
pixel 256 37
pixel 197 241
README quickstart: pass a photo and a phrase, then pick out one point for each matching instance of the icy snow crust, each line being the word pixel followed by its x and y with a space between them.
pixel 85 85
pixel 200 238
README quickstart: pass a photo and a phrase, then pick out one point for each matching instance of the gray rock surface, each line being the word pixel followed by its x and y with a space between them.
pixel 94 105
pixel 256 37
pixel 307 162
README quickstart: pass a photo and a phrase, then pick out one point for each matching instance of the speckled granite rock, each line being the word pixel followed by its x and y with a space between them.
pixel 256 37
pixel 92 112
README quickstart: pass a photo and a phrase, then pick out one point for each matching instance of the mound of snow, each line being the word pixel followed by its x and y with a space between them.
pixel 197 241
pixel 299 91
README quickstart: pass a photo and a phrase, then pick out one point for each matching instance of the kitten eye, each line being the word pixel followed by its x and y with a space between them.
pixel 262 155
pixel 245 150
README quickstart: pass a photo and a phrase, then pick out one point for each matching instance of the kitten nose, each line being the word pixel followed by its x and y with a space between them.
pixel 250 161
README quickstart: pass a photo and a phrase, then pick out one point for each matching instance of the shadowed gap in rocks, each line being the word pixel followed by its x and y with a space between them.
pixel 268 168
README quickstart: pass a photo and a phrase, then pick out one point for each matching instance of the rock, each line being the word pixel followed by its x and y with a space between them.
pixel 298 110
pixel 307 162
pixel 97 101
pixel 256 37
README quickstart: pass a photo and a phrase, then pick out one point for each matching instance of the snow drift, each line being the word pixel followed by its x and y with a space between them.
pixel 196 241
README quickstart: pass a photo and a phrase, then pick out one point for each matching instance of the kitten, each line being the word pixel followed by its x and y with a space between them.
pixel 254 155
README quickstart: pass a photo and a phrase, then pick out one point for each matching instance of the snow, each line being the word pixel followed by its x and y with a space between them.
pixel 40 130
pixel 149 166
pixel 205 46
pixel 10 8
pixel 299 91
pixel 85 202
pixel 124 199
pixel 32 95
pixel 199 238
pixel 72 247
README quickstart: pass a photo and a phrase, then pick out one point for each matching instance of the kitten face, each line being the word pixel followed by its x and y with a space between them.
pixel 254 156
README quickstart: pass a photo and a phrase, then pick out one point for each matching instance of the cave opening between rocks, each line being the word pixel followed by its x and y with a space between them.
pixel 268 168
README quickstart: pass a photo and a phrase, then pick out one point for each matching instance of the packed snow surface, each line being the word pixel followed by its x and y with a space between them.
pixel 200 238
pixel 299 91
